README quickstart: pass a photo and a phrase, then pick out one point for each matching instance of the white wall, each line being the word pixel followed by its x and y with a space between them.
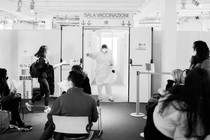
pixel 16 43
pixel 192 24
pixel 5 50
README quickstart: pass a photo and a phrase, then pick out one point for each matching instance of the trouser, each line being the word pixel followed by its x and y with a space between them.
pixel 13 106
pixel 44 90
pixel 108 89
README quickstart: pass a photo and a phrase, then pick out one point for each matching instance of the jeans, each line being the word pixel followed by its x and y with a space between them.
pixel 44 90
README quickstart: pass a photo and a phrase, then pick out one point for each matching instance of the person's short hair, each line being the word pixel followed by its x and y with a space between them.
pixel 202 50
pixel 104 46
pixel 76 77
pixel 77 68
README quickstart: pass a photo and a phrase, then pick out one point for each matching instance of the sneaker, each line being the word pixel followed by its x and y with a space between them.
pixel 142 134
pixel 47 109
pixel 13 126
pixel 25 127
pixel 28 106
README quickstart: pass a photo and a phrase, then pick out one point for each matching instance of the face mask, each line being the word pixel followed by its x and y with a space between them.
pixel 104 50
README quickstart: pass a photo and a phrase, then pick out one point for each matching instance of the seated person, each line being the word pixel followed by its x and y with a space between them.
pixel 183 112
pixel 74 102
pixel 10 101
pixel 86 81
pixel 178 79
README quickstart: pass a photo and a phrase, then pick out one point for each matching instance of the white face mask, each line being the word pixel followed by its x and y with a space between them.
pixel 104 50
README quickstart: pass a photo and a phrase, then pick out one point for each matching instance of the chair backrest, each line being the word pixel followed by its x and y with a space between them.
pixel 70 124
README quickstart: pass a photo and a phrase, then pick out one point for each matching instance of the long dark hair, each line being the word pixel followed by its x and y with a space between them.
pixel 3 80
pixel 194 99
pixel 41 51
pixel 202 52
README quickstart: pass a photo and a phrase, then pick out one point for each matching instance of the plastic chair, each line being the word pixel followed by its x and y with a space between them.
pixel 73 125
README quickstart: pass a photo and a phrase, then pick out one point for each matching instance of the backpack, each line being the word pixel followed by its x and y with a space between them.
pixel 34 71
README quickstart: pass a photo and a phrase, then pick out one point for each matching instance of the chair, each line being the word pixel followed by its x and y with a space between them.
pixel 73 125
pixel 8 113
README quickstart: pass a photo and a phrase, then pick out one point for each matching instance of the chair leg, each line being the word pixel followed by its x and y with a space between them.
pixel 5 129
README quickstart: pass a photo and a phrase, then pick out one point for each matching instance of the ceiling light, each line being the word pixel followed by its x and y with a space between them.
pixel 183 3
pixel 196 3
pixel 32 5
pixel 19 5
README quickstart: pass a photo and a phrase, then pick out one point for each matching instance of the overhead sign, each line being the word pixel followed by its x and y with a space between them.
pixel 106 19
pixel 102 15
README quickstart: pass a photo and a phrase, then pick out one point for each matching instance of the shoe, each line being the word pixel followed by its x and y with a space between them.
pixel 11 125
pixel 47 109
pixel 25 127
pixel 142 134
pixel 28 106
pixel 111 99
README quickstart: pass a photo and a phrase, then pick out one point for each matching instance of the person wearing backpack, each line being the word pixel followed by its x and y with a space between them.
pixel 43 68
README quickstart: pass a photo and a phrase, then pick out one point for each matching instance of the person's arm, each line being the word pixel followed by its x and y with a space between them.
pixel 56 108
pixel 86 85
pixel 92 55
pixel 94 116
pixel 169 84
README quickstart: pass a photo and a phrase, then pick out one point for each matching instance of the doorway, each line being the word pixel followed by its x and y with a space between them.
pixel 117 41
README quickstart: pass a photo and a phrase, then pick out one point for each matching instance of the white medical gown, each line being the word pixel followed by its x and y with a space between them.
pixel 104 64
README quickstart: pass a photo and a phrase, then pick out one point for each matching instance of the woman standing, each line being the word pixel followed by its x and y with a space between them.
pixel 43 68
pixel 10 101
pixel 103 72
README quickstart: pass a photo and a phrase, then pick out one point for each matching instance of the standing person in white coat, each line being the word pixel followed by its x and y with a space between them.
pixel 103 72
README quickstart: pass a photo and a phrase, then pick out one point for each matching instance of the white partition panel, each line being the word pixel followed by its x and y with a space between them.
pixel 71 47
pixel 5 50
pixel 140 53
pixel 28 43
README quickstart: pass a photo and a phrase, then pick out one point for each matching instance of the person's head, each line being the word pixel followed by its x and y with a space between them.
pixel 42 52
pixel 77 68
pixel 177 74
pixel 104 48
pixel 201 49
pixel 3 75
pixel 3 78
pixel 76 78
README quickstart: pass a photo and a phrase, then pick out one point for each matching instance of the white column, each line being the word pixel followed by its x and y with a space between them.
pixel 169 36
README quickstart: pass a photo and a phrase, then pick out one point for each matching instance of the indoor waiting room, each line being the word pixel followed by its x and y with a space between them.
pixel 104 70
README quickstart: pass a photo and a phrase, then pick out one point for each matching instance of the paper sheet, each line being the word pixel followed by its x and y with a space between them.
pixel 63 85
